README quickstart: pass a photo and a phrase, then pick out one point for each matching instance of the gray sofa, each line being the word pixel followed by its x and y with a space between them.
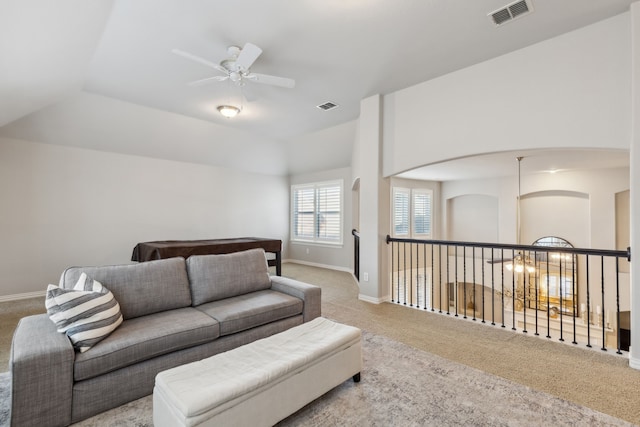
pixel 174 311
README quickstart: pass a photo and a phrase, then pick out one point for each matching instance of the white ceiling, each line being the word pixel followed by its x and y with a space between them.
pixel 336 50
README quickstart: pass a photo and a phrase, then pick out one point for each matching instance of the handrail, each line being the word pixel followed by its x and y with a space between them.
pixel 356 253
pixel 583 251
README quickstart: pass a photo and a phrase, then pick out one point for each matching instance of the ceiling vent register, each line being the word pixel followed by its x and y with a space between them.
pixel 327 106
pixel 510 12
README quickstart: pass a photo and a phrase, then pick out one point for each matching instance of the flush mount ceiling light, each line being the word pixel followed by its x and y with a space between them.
pixel 228 111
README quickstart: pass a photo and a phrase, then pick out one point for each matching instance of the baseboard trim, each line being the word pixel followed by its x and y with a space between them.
pixel 634 362
pixel 315 264
pixel 26 295
pixel 367 298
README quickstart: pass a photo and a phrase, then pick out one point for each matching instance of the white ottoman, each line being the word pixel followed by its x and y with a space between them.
pixel 260 383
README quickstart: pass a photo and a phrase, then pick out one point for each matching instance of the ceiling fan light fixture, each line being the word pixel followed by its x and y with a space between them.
pixel 229 111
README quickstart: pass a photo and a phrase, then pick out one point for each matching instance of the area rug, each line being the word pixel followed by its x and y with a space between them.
pixel 401 386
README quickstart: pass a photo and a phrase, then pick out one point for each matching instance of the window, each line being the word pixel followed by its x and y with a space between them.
pixel 412 213
pixel 401 211
pixel 317 212
pixel 421 213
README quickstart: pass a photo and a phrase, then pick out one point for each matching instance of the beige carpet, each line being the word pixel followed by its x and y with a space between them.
pixel 401 386
pixel 586 377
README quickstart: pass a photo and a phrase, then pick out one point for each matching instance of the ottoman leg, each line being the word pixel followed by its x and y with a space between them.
pixel 356 378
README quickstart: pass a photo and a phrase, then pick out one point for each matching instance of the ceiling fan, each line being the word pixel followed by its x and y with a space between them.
pixel 237 68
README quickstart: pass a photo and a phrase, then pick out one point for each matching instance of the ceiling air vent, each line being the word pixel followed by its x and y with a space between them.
pixel 510 12
pixel 327 106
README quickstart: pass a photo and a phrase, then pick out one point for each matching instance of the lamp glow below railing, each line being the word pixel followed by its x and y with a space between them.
pixel 519 265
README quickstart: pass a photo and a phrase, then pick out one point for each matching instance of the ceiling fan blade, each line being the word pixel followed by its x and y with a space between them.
pixel 248 94
pixel 248 56
pixel 272 80
pixel 199 60
pixel 208 80
pixel 500 260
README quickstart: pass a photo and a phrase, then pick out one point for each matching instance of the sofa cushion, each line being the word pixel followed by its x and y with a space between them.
pixel 250 310
pixel 144 338
pixel 87 314
pixel 140 289
pixel 215 277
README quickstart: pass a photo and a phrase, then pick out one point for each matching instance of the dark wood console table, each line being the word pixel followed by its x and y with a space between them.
pixel 148 251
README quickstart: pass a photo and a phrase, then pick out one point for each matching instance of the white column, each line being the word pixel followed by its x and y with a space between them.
pixel 634 177
pixel 368 160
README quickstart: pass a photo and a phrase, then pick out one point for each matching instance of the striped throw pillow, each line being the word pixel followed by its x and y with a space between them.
pixel 87 313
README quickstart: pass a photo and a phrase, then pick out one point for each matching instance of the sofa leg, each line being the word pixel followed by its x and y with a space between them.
pixel 356 378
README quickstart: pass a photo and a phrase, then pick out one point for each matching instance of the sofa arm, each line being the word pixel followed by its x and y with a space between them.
pixel 41 367
pixel 311 295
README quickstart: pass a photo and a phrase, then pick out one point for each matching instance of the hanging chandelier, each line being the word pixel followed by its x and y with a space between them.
pixel 520 262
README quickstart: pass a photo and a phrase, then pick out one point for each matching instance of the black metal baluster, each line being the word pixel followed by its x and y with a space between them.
pixel 404 271
pixel 602 312
pixel 391 284
pixel 424 276
pixel 448 283
pixel 502 284
pixel 431 279
pixel 536 277
pixel 561 297
pixel 588 306
pixel 574 298
pixel 548 301
pixel 493 295
pixel 473 256
pixel 464 278
pixel 513 291
pixel 525 275
pixel 410 274
pixel 455 286
pixel 618 304
pixel 398 270
pixel 482 255
pixel 440 275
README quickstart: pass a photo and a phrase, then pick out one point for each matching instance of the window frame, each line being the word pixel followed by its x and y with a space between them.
pixel 411 193
pixel 316 238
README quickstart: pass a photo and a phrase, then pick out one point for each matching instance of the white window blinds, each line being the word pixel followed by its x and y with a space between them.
pixel 412 213
pixel 401 211
pixel 422 213
pixel 317 212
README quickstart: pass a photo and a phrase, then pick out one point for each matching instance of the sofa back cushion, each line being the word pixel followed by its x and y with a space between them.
pixel 215 277
pixel 140 289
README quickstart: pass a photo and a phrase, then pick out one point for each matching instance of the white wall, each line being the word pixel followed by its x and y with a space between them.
pixel 339 257
pixel 326 149
pixel 596 228
pixel 569 91
pixel 472 218
pixel 554 213
pixel 65 206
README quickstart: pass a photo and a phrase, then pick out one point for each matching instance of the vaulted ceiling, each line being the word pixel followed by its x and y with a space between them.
pixel 87 57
